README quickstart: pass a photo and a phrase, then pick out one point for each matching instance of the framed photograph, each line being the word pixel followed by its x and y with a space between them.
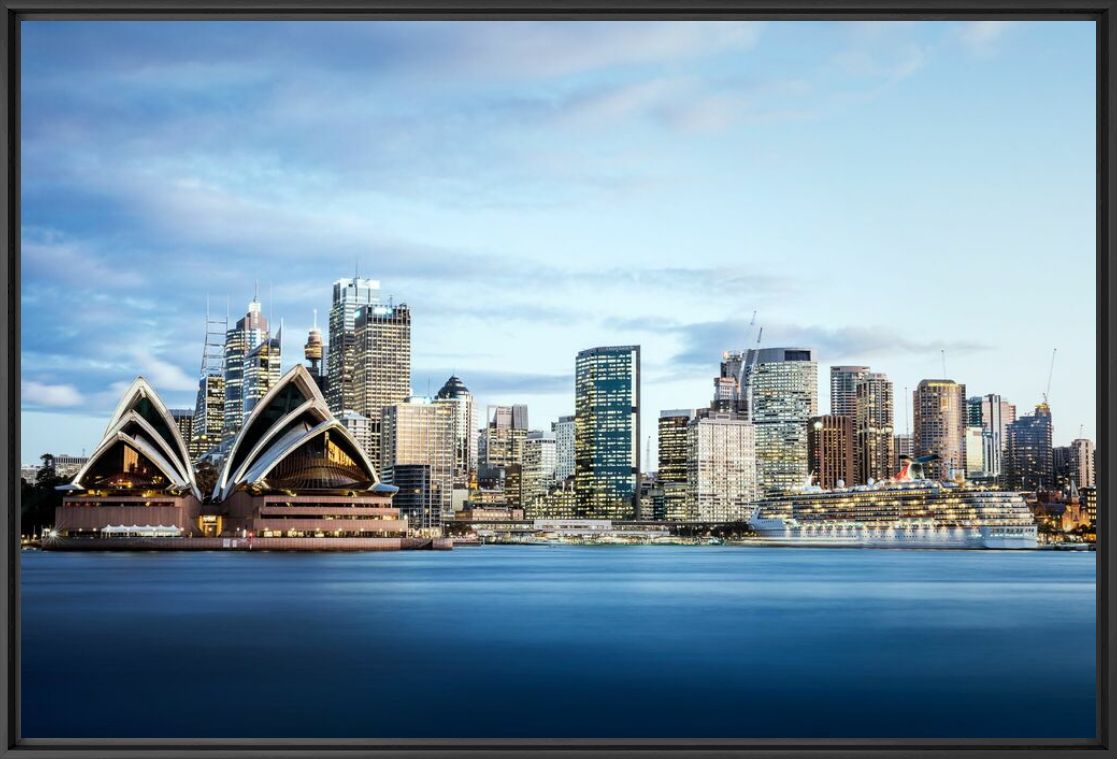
pixel 541 378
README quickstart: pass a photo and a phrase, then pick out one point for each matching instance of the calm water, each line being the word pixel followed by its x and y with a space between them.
pixel 534 641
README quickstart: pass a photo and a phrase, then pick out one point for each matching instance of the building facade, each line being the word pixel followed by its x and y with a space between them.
pixel 607 432
pixel 672 470
pixel 246 334
pixel 1029 460
pixel 939 407
pixel 564 447
pixel 456 395
pixel 781 384
pixel 382 374
pixel 843 389
pixel 721 467
pixel 874 447
pixel 830 450
pixel 349 295
pixel 502 440
pixel 539 463
pixel 261 369
pixel 417 445
pixel 1082 462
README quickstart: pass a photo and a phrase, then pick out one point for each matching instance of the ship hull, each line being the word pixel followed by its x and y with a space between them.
pixel 1014 537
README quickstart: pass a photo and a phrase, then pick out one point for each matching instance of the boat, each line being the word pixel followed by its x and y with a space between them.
pixel 906 511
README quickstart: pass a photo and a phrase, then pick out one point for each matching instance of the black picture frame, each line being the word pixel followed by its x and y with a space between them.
pixel 1102 12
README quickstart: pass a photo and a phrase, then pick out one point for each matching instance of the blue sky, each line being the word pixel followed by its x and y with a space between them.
pixel 878 191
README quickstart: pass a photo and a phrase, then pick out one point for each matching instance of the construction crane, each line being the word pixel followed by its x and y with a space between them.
pixel 1050 374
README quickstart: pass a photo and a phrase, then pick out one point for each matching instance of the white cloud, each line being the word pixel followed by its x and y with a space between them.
pixel 163 375
pixel 981 38
pixel 41 394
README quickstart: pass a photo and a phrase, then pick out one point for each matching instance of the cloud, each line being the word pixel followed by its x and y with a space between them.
pixel 34 393
pixel 490 383
pixel 981 38
pixel 163 375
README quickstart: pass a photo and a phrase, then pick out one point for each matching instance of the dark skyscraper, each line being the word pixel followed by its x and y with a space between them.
pixel 1028 456
pixel 607 432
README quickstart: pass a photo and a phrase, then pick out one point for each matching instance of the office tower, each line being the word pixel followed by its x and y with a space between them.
pixel 995 415
pixel 1029 461
pixel 974 446
pixel 782 384
pixel 382 373
pixel 456 395
pixel 1082 462
pixel 359 427
pixel 417 447
pixel 341 360
pixel 261 371
pixel 728 388
pixel 903 446
pixel 874 447
pixel 843 389
pixel 564 447
pixel 184 420
pixel 209 405
pixel 538 469
pixel 939 407
pixel 607 432
pixel 312 351
pixel 502 440
pixel 652 506
pixel 672 469
pixel 830 450
pixel 721 467
pixel 248 332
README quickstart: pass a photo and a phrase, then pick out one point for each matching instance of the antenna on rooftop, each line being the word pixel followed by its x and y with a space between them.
pixel 1050 374
pixel 316 318
pixel 943 352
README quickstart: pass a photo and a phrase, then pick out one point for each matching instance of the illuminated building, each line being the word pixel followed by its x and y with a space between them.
pixel 502 439
pixel 830 450
pixel 874 448
pixel 564 447
pixel 294 471
pixel 902 444
pixel 246 334
pixel 559 503
pixel 782 384
pixel 349 295
pixel 456 395
pixel 994 416
pixel 539 461
pixel 1028 455
pixel 974 445
pixel 729 393
pixel 138 475
pixel 1082 462
pixel 672 469
pixel 382 373
pixel 721 467
pixel 261 371
pixel 607 432
pixel 939 407
pixel 843 389
pixel 1089 499
pixel 184 420
pixel 417 444
pixel 67 466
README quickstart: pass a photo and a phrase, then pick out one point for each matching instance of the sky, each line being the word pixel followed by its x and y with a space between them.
pixel 895 194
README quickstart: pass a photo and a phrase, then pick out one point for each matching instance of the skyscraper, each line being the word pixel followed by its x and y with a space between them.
pixel 903 444
pixel 939 407
pixel 564 447
pixel 1029 463
pixel 1082 462
pixel 607 432
pixel 672 469
pixel 721 467
pixel 728 385
pixel 184 420
pixel 830 450
pixel 974 447
pixel 538 470
pixel 502 440
pixel 382 371
pixel 995 415
pixel 341 359
pixel 261 371
pixel 874 452
pixel 246 334
pixel 455 394
pixel 782 384
pixel 418 457
pixel 843 389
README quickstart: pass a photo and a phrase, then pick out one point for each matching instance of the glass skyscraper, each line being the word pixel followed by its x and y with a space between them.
pixel 349 295
pixel 607 432
pixel 781 385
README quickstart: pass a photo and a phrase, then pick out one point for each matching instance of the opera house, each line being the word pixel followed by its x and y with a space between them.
pixel 293 478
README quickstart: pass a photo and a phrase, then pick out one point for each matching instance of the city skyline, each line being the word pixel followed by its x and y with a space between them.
pixel 510 277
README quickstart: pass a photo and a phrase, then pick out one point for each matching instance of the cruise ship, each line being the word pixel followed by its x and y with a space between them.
pixel 907 511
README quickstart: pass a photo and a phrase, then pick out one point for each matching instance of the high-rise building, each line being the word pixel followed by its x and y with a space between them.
pixel 781 384
pixel 843 389
pixel 903 445
pixel 994 417
pixel 538 469
pixel 184 420
pixel 874 448
pixel 974 445
pixel 382 372
pixel 1082 462
pixel 209 405
pixel 417 446
pixel 721 467
pixel 728 385
pixel 455 394
pixel 261 371
pixel 830 450
pixel 502 439
pixel 607 432
pixel 359 427
pixel 246 334
pixel 939 407
pixel 1029 461
pixel 672 470
pixel 564 447
pixel 341 359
